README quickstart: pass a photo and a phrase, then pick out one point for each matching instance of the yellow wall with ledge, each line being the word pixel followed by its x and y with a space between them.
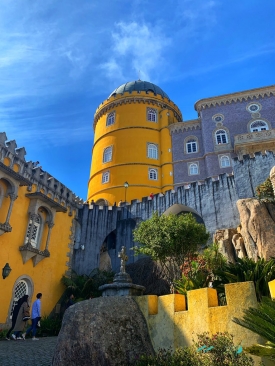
pixel 45 276
pixel 170 324
pixel 129 136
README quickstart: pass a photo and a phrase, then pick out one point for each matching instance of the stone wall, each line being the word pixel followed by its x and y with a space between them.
pixel 213 201
pixel 171 324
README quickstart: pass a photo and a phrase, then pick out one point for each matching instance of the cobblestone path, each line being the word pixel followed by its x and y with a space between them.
pixel 27 353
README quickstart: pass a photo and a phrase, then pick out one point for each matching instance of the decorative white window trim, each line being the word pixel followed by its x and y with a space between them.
pixel 110 120
pixel 191 145
pixel 221 137
pixel 253 107
pixel 107 154
pixel 258 125
pixel 152 115
pixel 105 177
pixel 224 161
pixel 152 151
pixel 218 118
pixel 193 168
pixel 152 174
pixel 36 230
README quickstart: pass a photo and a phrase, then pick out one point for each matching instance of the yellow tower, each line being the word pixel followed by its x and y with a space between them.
pixel 132 153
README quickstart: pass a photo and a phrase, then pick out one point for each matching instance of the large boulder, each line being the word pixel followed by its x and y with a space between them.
pixel 257 227
pixel 107 331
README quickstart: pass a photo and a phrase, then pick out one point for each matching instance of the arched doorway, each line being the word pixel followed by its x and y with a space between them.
pixel 23 286
pixel 178 209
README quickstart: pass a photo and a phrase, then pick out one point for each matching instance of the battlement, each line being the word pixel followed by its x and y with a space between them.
pixel 32 175
pixel 172 324
pixel 136 97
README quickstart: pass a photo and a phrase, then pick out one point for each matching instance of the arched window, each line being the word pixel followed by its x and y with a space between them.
pixel 191 146
pixel 105 177
pixel 193 169
pixel 35 231
pixel 107 154
pixel 21 289
pixel 152 151
pixel 221 137
pixel 151 115
pixel 224 161
pixel 258 126
pixel 110 119
pixel 153 174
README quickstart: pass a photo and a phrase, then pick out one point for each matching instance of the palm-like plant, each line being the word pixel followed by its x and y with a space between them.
pixel 83 286
pixel 246 269
pixel 261 321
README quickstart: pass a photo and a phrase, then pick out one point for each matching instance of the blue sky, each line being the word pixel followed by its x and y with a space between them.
pixel 60 59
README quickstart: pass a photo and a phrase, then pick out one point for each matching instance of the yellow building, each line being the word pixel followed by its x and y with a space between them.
pixel 37 224
pixel 132 152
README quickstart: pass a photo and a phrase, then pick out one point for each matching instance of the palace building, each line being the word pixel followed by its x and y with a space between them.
pixel 143 146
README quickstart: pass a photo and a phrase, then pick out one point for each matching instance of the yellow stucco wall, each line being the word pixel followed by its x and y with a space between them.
pixel 271 285
pixel 129 136
pixel 170 324
pixel 46 275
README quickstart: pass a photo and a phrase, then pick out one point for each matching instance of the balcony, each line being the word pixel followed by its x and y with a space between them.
pixel 252 142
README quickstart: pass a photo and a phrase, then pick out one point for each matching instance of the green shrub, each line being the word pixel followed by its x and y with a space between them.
pixel 217 350
pixel 264 191
pixel 50 326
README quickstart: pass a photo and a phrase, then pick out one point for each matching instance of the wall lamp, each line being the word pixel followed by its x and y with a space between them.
pixel 82 246
pixel 126 185
pixel 6 270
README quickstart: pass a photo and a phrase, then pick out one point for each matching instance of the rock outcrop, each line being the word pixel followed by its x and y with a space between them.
pixel 224 239
pixel 257 227
pixel 107 331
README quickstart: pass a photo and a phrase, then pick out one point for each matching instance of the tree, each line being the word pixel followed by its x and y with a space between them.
pixel 265 192
pixel 170 239
pixel 261 321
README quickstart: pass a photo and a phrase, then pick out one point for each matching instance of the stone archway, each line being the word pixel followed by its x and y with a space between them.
pixel 179 209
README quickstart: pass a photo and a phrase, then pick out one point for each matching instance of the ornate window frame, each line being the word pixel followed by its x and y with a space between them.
pixel 249 106
pixel 218 118
pixel 152 114
pixel 107 154
pixel 192 166
pixel 152 174
pixel 258 120
pixel 111 118
pixel 221 146
pixel 35 229
pixel 224 157
pixel 152 151
pixel 105 177
pixel 187 141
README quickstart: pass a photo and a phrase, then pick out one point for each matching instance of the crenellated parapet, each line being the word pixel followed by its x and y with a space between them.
pixel 45 198
pixel 135 97
pixel 191 125
pixel 247 95
pixel 12 161
pixel 174 320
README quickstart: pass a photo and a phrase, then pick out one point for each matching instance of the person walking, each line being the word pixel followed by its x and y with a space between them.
pixel 22 317
pixel 36 316
pixel 70 301
pixel 14 317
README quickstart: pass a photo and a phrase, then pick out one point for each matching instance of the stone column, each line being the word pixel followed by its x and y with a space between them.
pixel 12 199
pixel 50 226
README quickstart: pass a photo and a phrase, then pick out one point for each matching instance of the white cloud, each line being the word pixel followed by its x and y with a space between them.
pixel 136 48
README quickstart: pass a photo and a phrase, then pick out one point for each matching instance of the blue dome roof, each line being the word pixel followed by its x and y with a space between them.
pixel 138 86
